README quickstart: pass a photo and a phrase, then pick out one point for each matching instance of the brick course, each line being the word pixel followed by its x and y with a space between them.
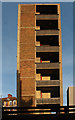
pixel 27 101
pixel 27 51
pixel 28 8
pixel 27 35
pixel 27 87
pixel 27 21
pixel 27 69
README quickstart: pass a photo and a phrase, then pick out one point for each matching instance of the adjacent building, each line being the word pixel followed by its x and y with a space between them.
pixel 9 101
pixel 71 96
pixel 39 55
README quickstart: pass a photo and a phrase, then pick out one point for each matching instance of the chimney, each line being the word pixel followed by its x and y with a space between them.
pixel 9 95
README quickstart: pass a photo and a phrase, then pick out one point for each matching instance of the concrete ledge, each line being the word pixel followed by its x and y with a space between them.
pixel 48 83
pixel 48 101
pixel 47 66
pixel 47 32
pixel 46 17
pixel 47 48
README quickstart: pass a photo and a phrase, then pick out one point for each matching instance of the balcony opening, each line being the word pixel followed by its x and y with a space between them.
pixel 46 9
pixel 54 91
pixel 52 40
pixel 53 73
pixel 48 56
pixel 47 24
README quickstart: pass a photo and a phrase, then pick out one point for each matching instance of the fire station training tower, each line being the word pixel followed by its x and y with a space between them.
pixel 39 55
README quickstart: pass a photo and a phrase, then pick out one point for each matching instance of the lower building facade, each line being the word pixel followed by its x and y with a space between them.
pixel 9 101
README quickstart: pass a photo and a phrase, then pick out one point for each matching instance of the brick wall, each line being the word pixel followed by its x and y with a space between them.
pixel 27 55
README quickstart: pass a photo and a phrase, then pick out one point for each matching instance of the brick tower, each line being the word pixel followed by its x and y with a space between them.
pixel 39 55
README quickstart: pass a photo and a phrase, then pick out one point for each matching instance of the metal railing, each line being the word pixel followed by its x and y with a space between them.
pixel 40 110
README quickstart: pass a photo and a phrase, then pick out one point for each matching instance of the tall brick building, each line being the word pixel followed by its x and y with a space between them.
pixel 39 55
